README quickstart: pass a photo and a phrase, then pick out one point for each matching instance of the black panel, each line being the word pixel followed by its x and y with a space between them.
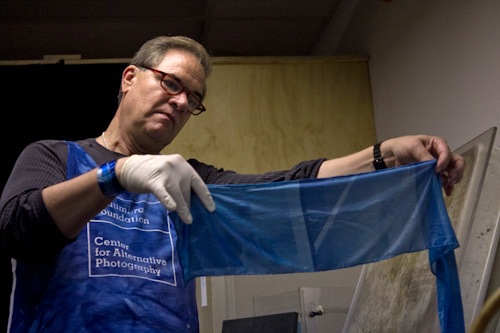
pixel 54 102
pixel 275 323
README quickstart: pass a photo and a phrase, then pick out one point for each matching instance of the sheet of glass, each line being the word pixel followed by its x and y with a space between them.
pixel 481 273
pixel 475 218
pixel 399 294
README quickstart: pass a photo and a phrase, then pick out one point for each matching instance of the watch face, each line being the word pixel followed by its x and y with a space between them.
pixel 379 164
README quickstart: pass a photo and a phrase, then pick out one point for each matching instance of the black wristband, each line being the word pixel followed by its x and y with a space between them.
pixel 378 161
pixel 108 182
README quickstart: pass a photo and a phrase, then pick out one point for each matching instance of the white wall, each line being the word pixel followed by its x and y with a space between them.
pixel 434 65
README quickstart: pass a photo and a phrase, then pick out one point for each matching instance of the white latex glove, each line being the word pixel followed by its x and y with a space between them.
pixel 170 178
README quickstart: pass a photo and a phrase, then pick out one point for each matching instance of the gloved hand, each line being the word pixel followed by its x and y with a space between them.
pixel 169 177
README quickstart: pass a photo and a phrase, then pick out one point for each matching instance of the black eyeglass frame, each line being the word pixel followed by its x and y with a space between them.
pixel 198 110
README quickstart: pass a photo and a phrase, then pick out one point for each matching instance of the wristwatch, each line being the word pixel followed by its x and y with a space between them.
pixel 378 161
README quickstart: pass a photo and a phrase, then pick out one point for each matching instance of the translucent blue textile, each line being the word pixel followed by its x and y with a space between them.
pixel 325 224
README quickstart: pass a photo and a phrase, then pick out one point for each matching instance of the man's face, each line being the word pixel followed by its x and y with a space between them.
pixel 150 109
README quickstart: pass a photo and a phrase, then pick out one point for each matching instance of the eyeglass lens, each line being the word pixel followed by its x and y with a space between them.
pixel 171 86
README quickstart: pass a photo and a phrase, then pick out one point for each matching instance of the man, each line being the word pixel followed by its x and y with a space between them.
pixel 88 222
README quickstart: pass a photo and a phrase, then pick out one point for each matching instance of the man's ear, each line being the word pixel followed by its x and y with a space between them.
pixel 128 76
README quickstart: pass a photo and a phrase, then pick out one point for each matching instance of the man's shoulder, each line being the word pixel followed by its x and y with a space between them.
pixel 57 145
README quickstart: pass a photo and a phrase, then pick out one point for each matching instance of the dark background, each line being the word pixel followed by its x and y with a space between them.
pixel 55 101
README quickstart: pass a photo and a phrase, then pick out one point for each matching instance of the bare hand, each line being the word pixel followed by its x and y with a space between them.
pixel 419 148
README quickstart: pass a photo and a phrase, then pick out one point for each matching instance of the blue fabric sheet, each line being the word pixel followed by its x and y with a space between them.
pixel 325 224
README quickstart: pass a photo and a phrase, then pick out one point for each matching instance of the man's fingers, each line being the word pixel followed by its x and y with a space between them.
pixel 184 214
pixel 201 190
pixel 178 205
pixel 165 198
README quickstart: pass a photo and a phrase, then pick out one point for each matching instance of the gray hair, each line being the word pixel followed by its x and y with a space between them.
pixel 151 53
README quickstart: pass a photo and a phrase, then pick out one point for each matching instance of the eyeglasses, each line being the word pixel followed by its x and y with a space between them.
pixel 173 87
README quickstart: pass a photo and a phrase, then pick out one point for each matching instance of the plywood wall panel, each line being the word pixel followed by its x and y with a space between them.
pixel 269 115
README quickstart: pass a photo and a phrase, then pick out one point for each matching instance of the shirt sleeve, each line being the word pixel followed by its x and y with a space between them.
pixel 213 175
pixel 26 229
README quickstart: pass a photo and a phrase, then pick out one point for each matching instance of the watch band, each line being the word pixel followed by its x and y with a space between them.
pixel 378 161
